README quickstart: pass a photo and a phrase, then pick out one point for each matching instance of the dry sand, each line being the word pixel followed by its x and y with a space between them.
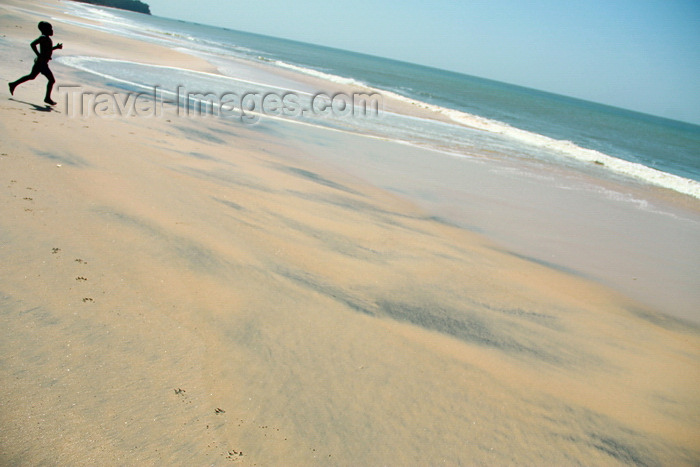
pixel 188 292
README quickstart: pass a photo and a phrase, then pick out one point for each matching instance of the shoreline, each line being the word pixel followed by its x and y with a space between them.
pixel 184 293
pixel 580 158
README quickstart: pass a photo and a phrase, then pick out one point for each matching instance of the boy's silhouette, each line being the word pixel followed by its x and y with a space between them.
pixel 41 63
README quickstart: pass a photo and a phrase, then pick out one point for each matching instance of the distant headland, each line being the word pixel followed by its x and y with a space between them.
pixel 131 5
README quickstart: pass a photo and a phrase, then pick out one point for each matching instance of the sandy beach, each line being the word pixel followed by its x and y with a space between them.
pixel 196 292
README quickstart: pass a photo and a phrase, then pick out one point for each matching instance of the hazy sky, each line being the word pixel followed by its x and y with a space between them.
pixel 637 54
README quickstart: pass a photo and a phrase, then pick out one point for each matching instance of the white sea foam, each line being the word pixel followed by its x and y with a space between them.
pixel 98 14
pixel 564 148
pixel 320 74
pixel 84 63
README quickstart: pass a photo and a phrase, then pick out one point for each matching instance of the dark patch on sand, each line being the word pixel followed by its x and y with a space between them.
pixel 542 319
pixel 473 324
pixel 308 281
pixel 382 217
pixel 63 158
pixel 197 256
pixel 200 135
pixel 620 450
pixel 222 177
pixel 333 241
pixel 468 325
pixel 547 264
pixel 449 223
pixel 203 157
pixel 229 204
pixel 665 321
pixel 314 177
pixel 40 315
pixel 587 429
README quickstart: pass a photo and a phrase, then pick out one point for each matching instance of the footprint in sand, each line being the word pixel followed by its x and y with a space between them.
pixel 183 396
pixel 233 454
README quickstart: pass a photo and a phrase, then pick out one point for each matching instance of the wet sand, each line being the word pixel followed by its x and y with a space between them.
pixel 194 292
pixel 640 241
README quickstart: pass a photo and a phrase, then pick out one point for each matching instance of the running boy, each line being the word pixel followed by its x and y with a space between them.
pixel 41 63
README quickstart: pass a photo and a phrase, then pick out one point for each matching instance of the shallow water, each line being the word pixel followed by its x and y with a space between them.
pixel 530 123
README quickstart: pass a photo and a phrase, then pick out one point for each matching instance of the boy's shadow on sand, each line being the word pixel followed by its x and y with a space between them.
pixel 38 108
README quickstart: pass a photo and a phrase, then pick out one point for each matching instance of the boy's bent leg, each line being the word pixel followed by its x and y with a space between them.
pixel 23 79
pixel 49 85
pixel 36 69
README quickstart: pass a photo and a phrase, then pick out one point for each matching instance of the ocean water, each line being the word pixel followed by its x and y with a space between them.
pixel 483 116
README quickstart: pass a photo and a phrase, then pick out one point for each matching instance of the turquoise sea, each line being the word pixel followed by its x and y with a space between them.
pixel 482 116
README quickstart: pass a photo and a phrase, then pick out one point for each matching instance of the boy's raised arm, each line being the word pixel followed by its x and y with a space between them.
pixel 34 45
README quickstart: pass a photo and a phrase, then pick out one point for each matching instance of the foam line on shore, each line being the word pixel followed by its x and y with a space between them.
pixel 563 148
pixel 566 149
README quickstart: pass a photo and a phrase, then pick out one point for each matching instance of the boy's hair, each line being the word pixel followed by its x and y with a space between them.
pixel 44 27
